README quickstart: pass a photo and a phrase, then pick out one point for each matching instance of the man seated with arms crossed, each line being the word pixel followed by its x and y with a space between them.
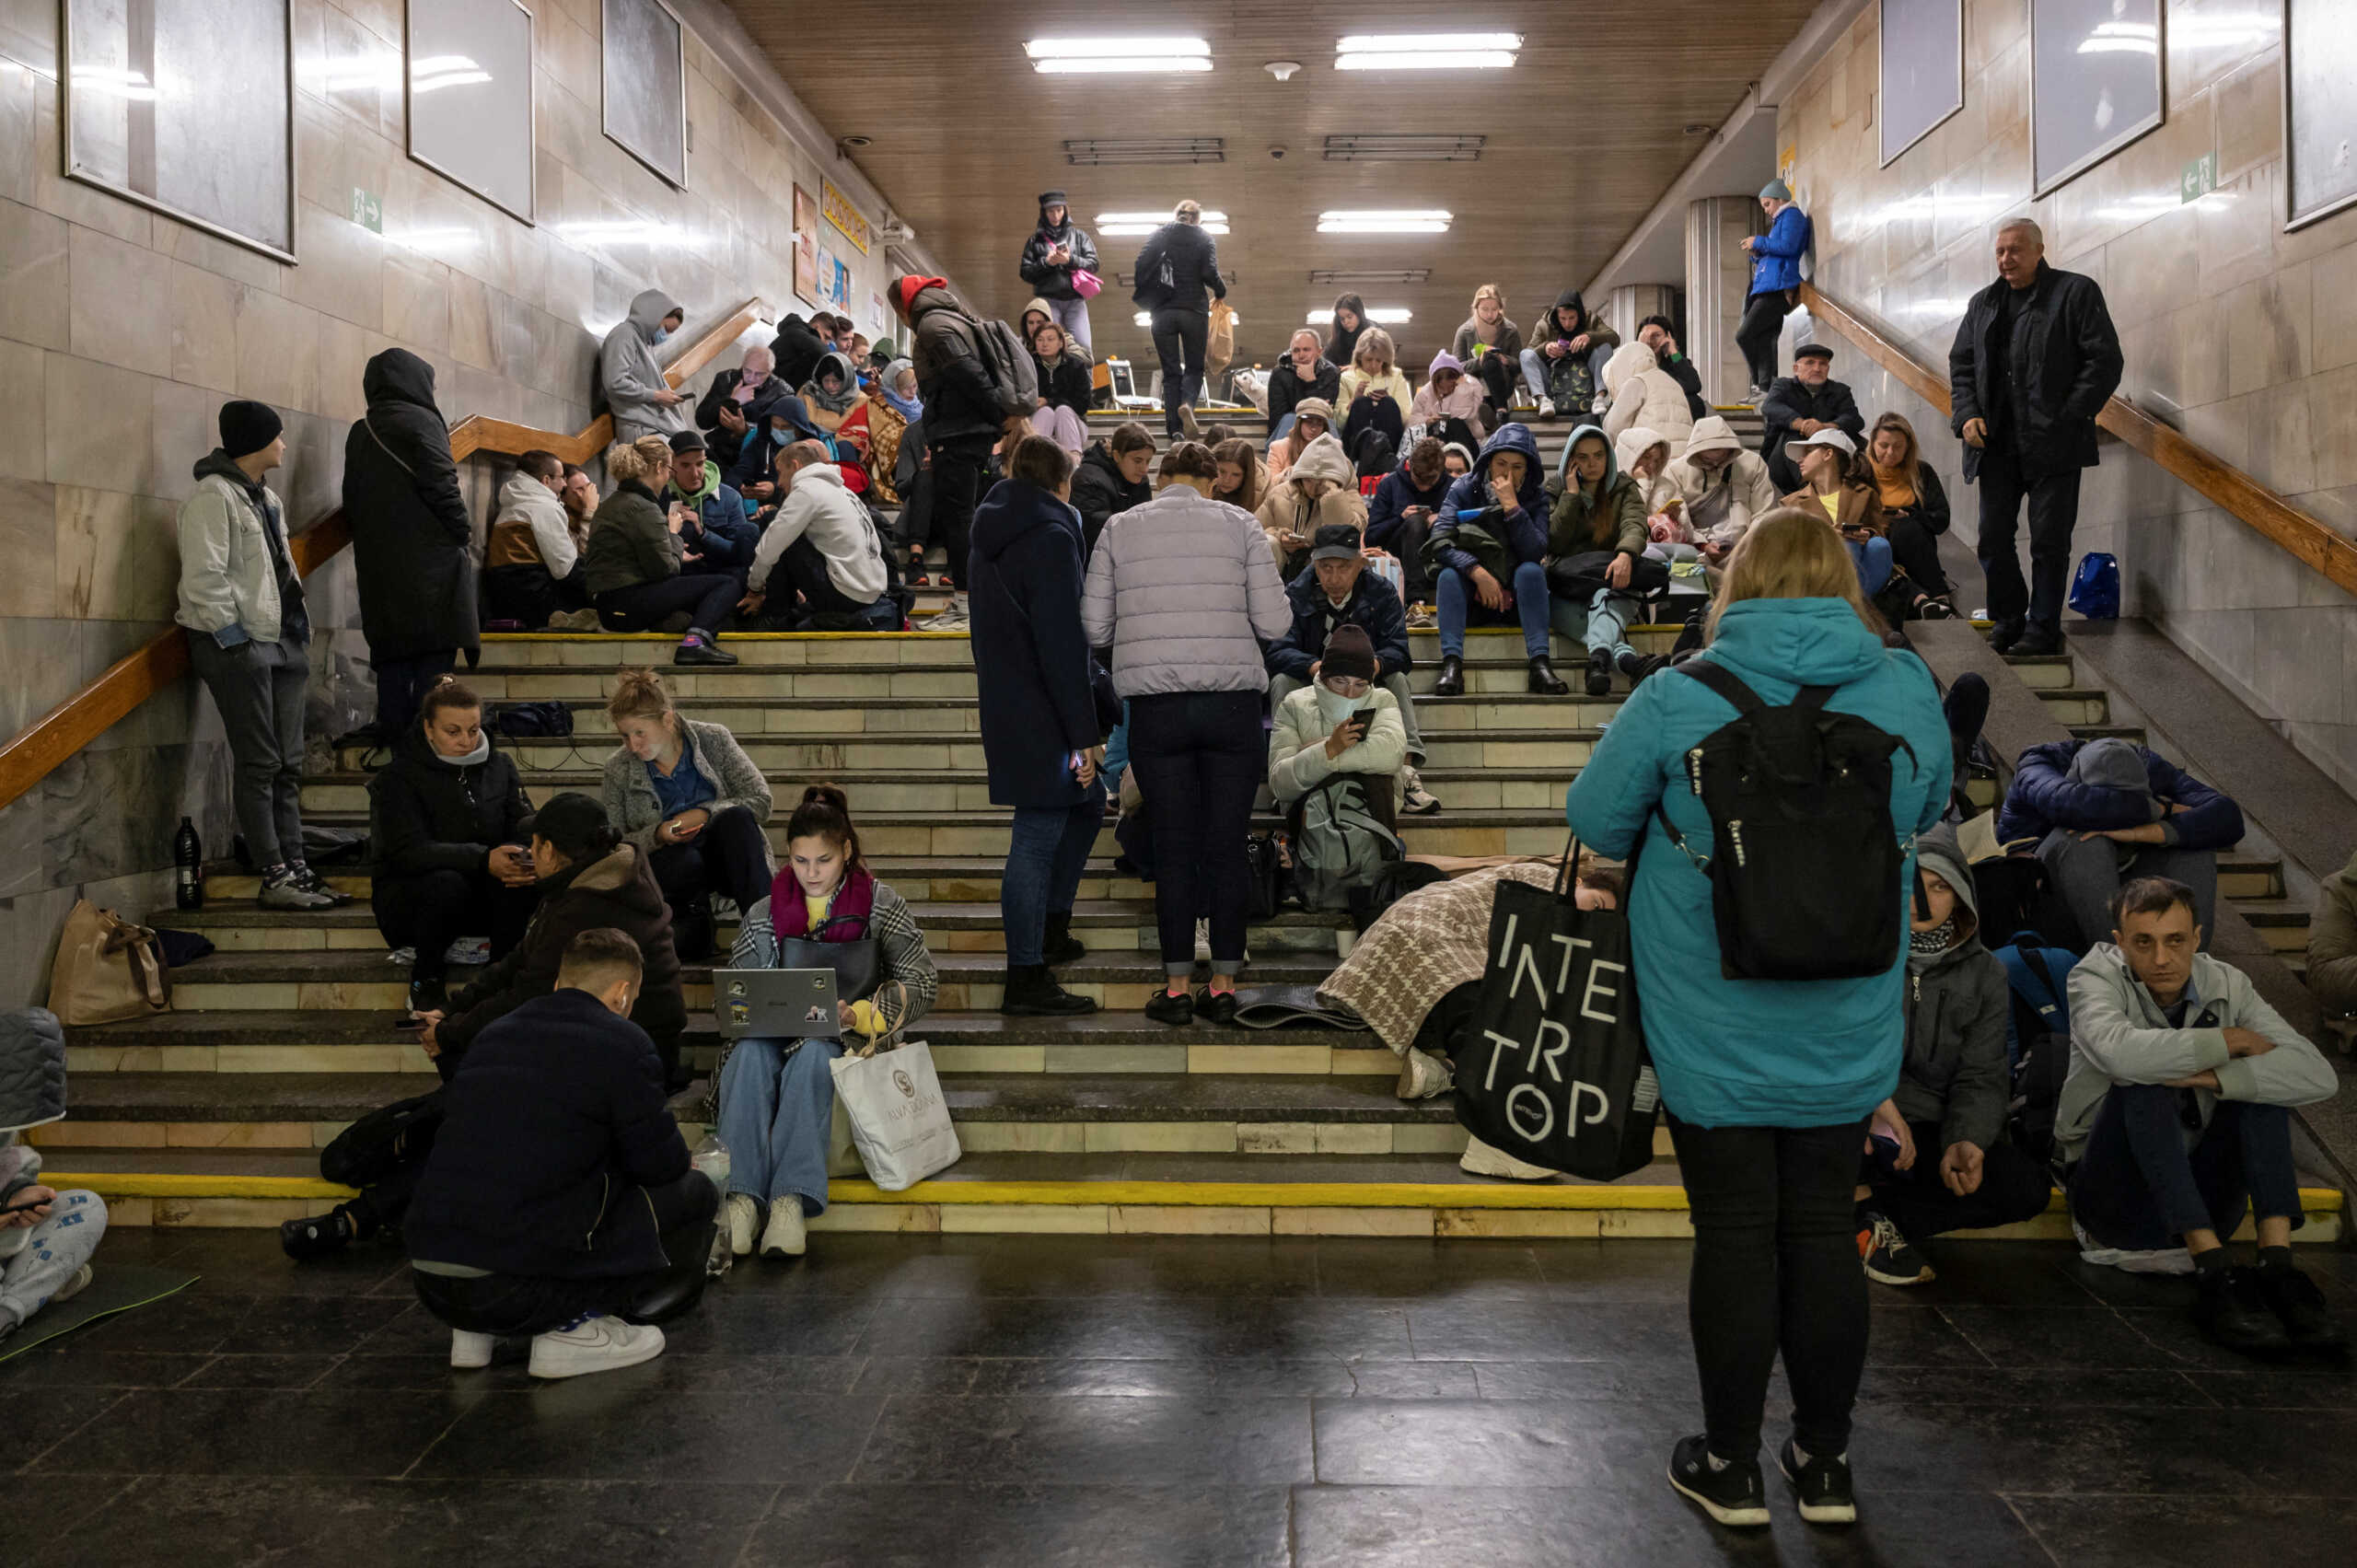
pixel 2176 1117
pixel 558 1202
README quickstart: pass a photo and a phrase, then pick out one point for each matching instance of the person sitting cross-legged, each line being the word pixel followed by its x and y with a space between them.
pixel 1343 723
pixel 47 1238
pixel 559 1203
pixel 1333 591
pixel 1938 1158
pixel 1489 546
pixel 636 568
pixel 2176 1118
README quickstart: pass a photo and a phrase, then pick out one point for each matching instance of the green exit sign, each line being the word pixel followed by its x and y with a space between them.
pixel 2201 178
pixel 369 210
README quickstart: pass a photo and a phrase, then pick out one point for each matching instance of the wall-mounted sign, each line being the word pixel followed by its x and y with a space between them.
pixel 369 210
pixel 844 217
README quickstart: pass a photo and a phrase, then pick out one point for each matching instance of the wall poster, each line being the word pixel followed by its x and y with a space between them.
pixel 806 247
pixel 2319 109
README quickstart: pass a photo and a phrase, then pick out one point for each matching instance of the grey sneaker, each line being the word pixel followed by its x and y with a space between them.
pixel 281 889
pixel 1422 1075
pixel 313 882
pixel 1414 797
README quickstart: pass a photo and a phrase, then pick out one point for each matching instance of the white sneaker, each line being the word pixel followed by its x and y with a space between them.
pixel 743 1213
pixel 1422 1075
pixel 470 1350
pixel 597 1343
pixel 468 950
pixel 1484 1159
pixel 1414 798
pixel 74 1286
pixel 786 1236
pixel 1546 407
pixel 2130 1260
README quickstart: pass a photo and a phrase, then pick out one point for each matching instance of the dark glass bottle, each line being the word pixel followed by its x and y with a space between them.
pixel 188 859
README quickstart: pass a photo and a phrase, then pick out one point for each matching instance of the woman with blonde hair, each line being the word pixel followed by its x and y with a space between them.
pixel 1490 347
pixel 1374 370
pixel 1769 1084
pixel 631 564
pixel 1375 399
pixel 684 792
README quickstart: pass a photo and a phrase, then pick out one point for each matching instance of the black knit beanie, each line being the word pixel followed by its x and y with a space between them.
pixel 248 426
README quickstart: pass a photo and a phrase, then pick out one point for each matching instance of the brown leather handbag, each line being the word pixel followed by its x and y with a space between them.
pixel 107 970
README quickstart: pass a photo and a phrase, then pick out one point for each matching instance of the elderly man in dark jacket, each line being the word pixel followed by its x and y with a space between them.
pixel 411 539
pixel 1040 718
pixel 962 418
pixel 2105 812
pixel 2035 359
pixel 559 1201
pixel 1800 405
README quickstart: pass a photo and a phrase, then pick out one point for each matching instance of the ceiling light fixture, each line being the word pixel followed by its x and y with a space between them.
pixel 1327 277
pixel 1056 56
pixel 1427 51
pixel 1104 150
pixel 1409 221
pixel 1409 147
pixel 1381 314
pixel 1120 223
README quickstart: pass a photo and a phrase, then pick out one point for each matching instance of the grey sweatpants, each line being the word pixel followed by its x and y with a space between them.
pixel 51 1255
pixel 259 688
pixel 2086 872
pixel 1284 686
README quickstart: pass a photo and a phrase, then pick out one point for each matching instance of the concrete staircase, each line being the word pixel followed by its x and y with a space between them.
pixel 214 1113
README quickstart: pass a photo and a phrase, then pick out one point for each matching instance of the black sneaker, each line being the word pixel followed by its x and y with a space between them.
pixel 2300 1306
pixel 1032 992
pixel 1164 1008
pixel 317 1237
pixel 1888 1258
pixel 1217 1006
pixel 2234 1310
pixel 2004 635
pixel 1734 1495
pixel 428 994
pixel 1599 672
pixel 1821 1487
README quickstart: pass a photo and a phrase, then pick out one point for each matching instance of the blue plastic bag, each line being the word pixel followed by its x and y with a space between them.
pixel 2094 587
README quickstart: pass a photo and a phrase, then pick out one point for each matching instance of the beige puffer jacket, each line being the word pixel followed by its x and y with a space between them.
pixel 1644 393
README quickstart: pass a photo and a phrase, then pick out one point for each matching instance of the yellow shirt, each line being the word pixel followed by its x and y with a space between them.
pixel 1832 504
pixel 864 1016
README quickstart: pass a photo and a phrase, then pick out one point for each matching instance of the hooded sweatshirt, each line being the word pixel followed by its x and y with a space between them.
pixel 1720 506
pixel 1630 445
pixel 1523 531
pixel 531 529
pixel 1954 1073
pixel 1600 335
pixel 1289 509
pixel 1644 393
pixel 1612 517
pixel 838 524
pixel 1463 403
pixel 633 379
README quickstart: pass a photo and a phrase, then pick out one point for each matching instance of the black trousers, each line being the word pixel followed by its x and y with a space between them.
pixel 1200 756
pixel 1775 1271
pixel 1179 337
pixel 709 598
pixel 2138 1186
pixel 957 468
pixel 1756 335
pixel 401 686
pixel 2014 1187
pixel 728 857
pixel 1916 548
pixel 803 570
pixel 526 592
pixel 513 1306
pixel 2054 513
pixel 1404 537
pixel 431 910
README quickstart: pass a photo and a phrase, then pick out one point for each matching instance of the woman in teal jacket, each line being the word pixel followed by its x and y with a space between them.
pixel 1768 1084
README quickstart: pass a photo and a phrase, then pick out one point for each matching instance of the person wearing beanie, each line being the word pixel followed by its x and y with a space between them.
pixel 1345 723
pixel 2106 811
pixel 249 637
pixel 715 536
pixel 1335 594
pixel 1775 283
pixel 1058 250
pixel 1449 396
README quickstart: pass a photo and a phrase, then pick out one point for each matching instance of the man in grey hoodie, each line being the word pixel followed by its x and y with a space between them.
pixel 642 401
pixel 1952 1093
pixel 2176 1118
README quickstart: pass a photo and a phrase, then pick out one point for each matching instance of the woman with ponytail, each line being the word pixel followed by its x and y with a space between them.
pixel 684 792
pixel 776 1098
pixel 588 880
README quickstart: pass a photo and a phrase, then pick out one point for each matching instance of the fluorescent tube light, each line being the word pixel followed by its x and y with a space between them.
pixel 1381 314
pixel 1117 225
pixel 1432 221
pixel 1067 55
pixel 1426 51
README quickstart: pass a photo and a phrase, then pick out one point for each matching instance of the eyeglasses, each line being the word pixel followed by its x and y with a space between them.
pixel 1347 686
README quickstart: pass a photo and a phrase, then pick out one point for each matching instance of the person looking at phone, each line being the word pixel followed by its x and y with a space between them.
pixel 1343 723
pixel 684 792
pixel 1334 591
pixel 46 1236
pixel 776 1098
pixel 1400 515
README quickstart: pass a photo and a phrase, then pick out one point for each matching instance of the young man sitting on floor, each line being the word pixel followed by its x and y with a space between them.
pixel 1333 590
pixel 2176 1117
pixel 558 1202
pixel 821 547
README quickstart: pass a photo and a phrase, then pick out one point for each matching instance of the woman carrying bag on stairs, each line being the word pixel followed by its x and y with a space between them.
pixel 776 1098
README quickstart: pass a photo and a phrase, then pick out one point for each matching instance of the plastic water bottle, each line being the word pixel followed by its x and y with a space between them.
pixel 188 859
pixel 711 1157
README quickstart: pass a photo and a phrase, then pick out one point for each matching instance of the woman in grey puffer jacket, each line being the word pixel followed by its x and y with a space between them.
pixel 1185 592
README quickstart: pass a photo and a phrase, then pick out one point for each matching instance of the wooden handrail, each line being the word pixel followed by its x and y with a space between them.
pixel 34 752
pixel 2308 541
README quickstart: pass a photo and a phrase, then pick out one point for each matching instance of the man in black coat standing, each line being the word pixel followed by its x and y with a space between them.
pixel 412 540
pixel 962 420
pixel 1178 262
pixel 1800 405
pixel 1039 715
pixel 2036 358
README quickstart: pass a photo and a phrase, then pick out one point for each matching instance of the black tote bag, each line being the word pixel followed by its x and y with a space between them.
pixel 1554 1069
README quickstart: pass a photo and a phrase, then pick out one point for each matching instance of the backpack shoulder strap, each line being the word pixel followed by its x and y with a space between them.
pixel 1812 699
pixel 1724 682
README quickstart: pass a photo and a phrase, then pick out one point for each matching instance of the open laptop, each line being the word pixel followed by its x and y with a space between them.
pixel 775 1004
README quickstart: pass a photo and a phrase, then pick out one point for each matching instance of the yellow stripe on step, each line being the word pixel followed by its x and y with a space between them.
pixel 1182 1194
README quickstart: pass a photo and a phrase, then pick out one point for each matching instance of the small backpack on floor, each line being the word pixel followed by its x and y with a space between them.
pixel 525 720
pixel 1804 873
pixel 1340 841
pixel 2038 1034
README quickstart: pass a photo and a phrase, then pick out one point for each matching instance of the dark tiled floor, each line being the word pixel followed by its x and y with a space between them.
pixel 1110 1403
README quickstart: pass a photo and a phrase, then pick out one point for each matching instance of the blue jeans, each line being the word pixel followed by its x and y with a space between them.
pixel 1072 314
pixel 1457 602
pixel 1603 626
pixel 1534 365
pixel 2138 1186
pixel 776 1111
pixel 1044 860
pixel 1285 421
pixel 1872 558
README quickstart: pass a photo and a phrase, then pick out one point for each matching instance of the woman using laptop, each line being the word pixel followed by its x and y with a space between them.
pixel 776 1097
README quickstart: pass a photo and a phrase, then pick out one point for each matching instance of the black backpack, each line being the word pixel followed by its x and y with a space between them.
pixel 1805 880
pixel 527 721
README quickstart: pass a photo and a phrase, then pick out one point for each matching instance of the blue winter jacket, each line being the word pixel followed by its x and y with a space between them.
pixel 1753 1053
pixel 2044 797
pixel 1374 606
pixel 1776 255
pixel 1394 495
pixel 1524 531
pixel 723 534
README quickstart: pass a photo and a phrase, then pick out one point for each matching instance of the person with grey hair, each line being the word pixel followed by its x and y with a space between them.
pixel 1775 283
pixel 2035 359
pixel 1177 264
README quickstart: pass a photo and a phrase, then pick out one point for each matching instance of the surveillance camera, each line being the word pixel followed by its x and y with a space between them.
pixel 1277 153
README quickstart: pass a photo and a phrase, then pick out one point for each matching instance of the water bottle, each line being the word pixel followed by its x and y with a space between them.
pixel 188 858
pixel 711 1157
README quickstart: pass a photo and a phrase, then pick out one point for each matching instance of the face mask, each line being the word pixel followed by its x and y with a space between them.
pixel 1332 707
pixel 662 332
pixel 780 436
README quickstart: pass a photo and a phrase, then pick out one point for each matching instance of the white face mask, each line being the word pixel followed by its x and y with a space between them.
pixel 1333 707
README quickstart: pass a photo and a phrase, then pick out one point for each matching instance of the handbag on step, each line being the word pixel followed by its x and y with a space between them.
pixel 899 1120
pixel 107 970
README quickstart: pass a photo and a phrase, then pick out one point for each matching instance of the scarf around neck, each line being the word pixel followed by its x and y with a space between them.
pixel 1932 943
pixel 1890 484
pixel 848 910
